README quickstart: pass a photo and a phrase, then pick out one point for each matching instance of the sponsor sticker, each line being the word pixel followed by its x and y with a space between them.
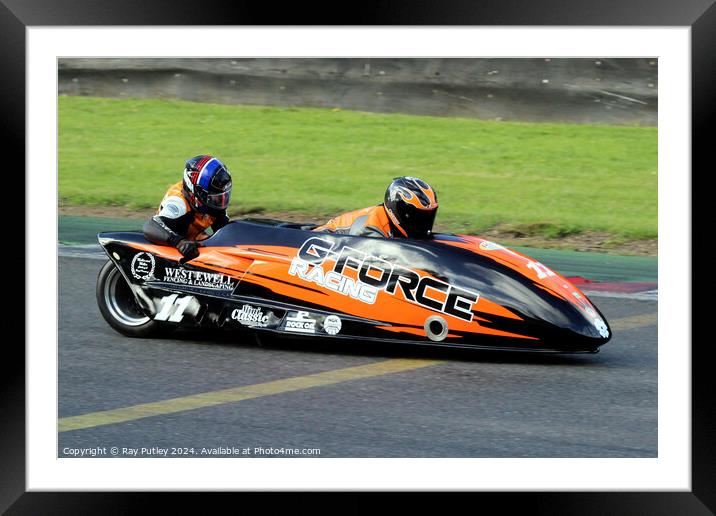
pixel 486 245
pixel 300 322
pixel 601 327
pixel 172 210
pixel 252 316
pixel 361 276
pixel 143 265
pixel 584 305
pixel 213 280
pixel 332 324
pixel 173 308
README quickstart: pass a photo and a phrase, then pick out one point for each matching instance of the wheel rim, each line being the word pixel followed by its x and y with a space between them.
pixel 120 301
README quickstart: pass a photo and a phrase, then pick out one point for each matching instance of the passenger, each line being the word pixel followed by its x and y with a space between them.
pixel 192 206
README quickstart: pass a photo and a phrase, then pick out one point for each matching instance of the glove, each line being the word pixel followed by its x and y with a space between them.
pixel 188 248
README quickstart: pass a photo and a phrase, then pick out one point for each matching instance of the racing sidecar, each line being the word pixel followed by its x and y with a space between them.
pixel 272 276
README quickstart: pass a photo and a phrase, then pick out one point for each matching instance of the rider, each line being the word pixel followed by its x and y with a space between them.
pixel 191 206
pixel 408 211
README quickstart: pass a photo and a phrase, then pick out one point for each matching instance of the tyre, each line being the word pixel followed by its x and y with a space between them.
pixel 119 307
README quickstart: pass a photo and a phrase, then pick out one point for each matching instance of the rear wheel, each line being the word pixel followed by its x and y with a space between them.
pixel 119 307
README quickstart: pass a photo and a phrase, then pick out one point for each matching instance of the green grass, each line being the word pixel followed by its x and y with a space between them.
pixel 551 179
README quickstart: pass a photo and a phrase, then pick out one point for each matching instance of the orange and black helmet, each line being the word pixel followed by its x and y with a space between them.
pixel 411 205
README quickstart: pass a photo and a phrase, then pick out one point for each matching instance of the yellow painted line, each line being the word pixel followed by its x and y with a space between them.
pixel 633 321
pixel 209 399
pixel 213 398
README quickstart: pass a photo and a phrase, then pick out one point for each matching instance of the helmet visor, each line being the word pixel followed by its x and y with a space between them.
pixel 418 223
pixel 218 201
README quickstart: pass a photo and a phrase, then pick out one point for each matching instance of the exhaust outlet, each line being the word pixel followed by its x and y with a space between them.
pixel 436 328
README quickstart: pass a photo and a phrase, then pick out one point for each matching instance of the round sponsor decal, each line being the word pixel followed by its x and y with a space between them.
pixel 332 324
pixel 143 266
pixel 490 246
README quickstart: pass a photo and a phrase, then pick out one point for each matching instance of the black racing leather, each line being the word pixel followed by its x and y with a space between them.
pixel 158 230
pixel 167 231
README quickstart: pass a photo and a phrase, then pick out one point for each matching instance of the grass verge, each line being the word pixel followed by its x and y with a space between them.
pixel 539 180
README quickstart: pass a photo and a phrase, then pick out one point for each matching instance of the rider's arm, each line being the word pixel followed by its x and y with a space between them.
pixel 357 227
pixel 170 224
pixel 360 228
pixel 158 231
pixel 371 231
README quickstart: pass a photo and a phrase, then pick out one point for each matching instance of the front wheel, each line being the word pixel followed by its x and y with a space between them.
pixel 119 307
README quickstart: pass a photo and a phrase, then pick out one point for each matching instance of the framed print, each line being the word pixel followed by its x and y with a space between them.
pixel 482 102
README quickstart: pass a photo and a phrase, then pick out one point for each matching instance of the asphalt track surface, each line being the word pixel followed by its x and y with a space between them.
pixel 208 393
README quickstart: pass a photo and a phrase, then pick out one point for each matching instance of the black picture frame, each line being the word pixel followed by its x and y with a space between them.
pixel 700 15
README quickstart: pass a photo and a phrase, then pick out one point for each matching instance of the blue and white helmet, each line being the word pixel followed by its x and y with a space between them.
pixel 207 183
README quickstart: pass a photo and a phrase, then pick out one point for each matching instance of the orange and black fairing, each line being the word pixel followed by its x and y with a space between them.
pixel 450 290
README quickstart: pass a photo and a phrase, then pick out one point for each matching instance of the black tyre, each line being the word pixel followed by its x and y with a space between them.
pixel 119 307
